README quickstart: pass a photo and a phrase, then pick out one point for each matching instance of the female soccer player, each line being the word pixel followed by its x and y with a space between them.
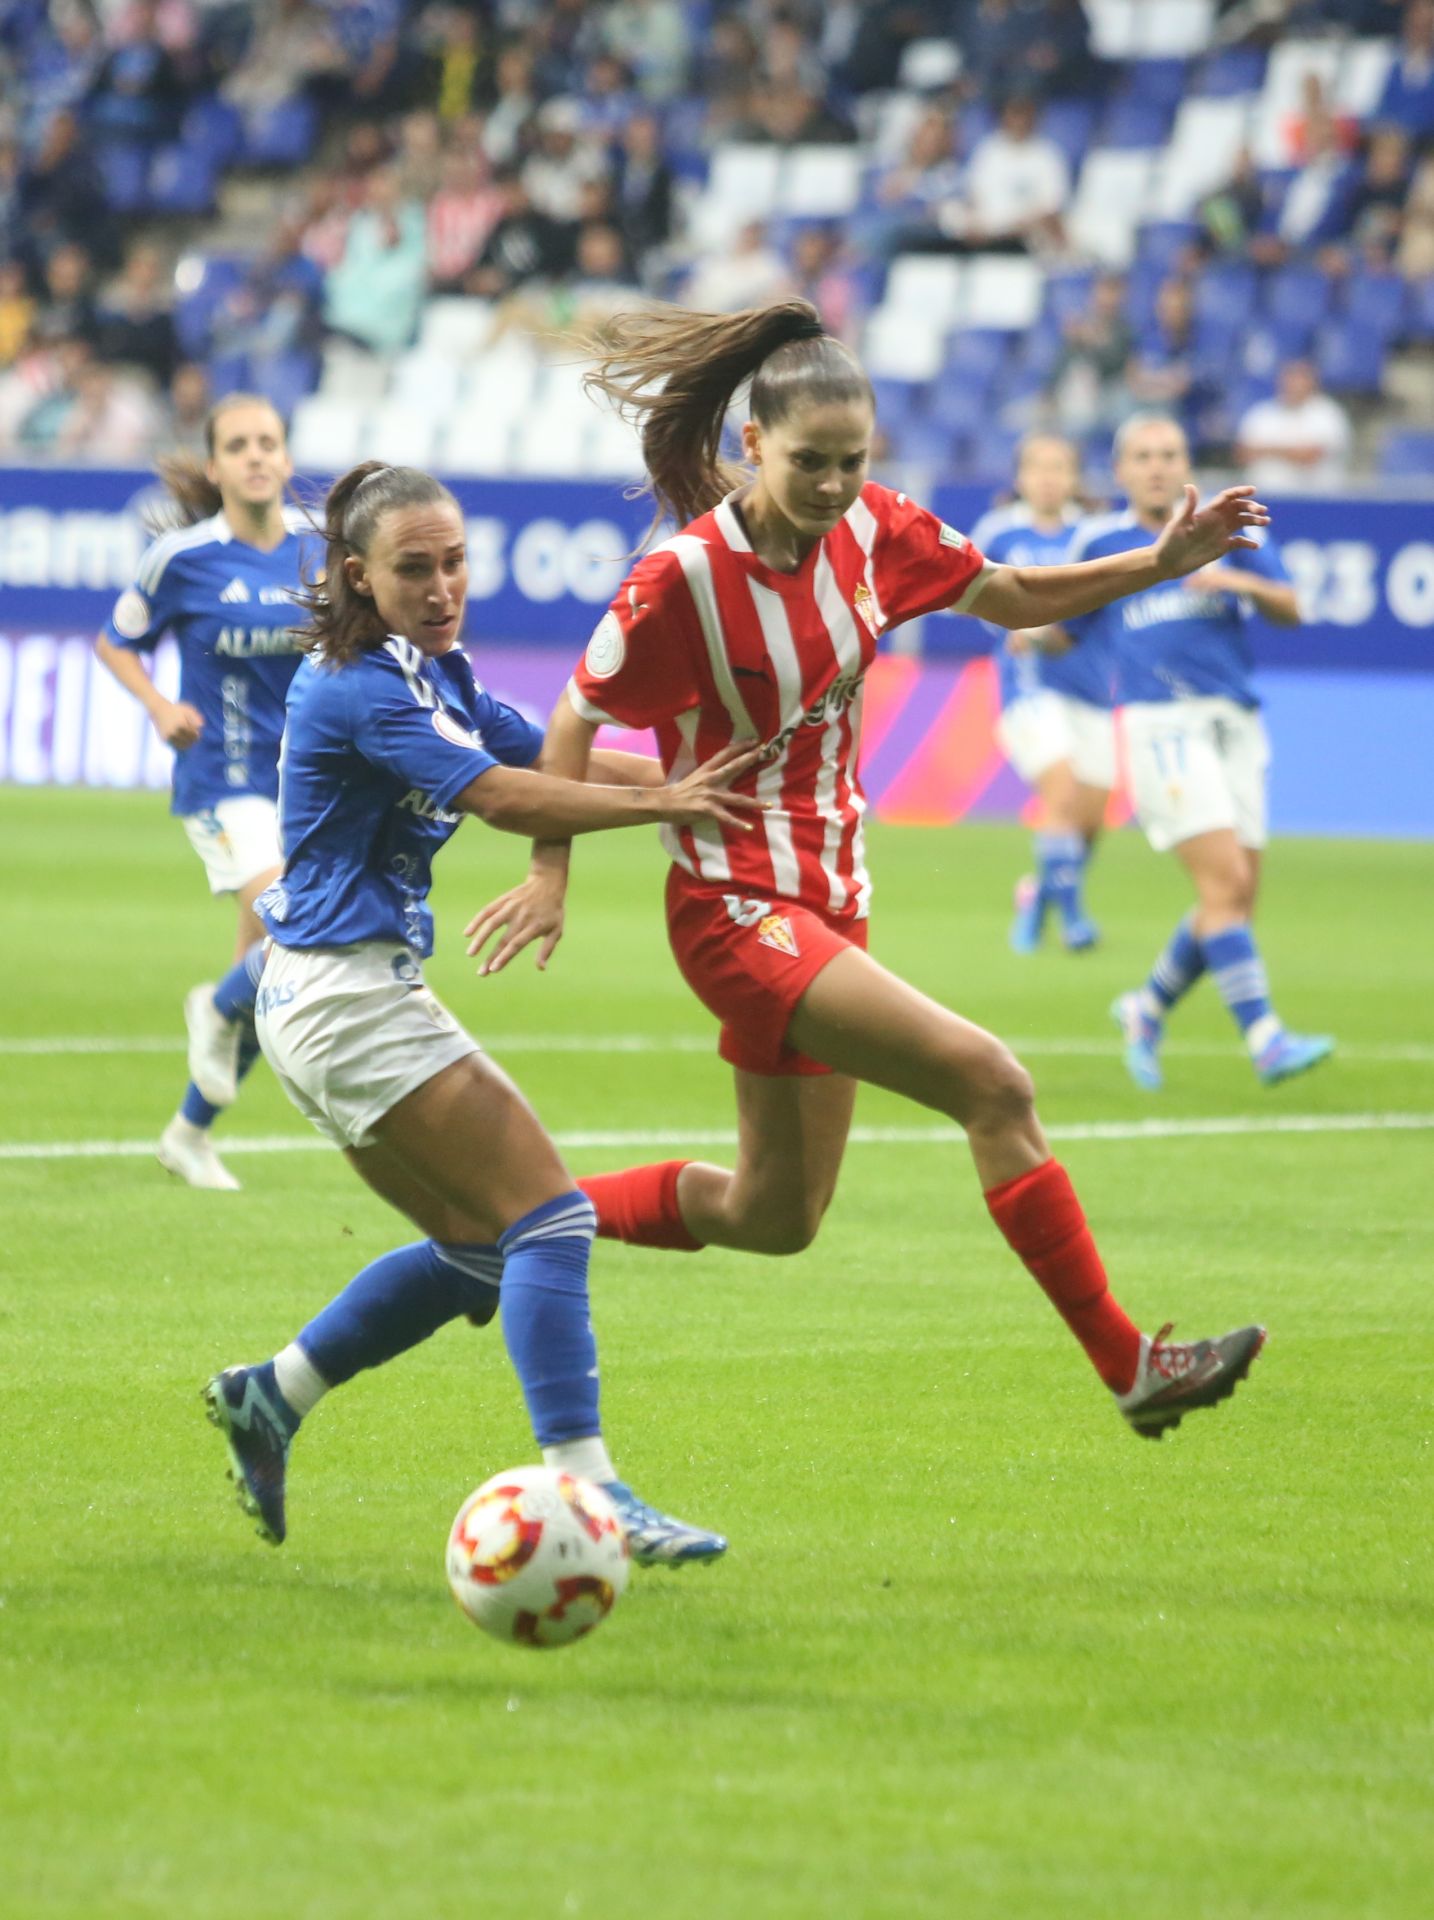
pixel 1056 727
pixel 1198 753
pixel 757 622
pixel 224 583
pixel 389 743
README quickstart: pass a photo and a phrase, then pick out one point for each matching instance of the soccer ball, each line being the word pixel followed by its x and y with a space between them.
pixel 537 1557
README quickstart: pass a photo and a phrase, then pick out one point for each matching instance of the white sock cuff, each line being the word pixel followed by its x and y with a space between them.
pixel 586 1458
pixel 299 1380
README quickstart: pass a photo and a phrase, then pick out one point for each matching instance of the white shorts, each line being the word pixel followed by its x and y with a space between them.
pixel 350 1031
pixel 237 840
pixel 1197 766
pixel 1043 728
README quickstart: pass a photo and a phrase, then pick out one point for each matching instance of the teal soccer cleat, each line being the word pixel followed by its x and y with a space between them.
pixel 258 1424
pixel 657 1540
pixel 1142 1042
pixel 1291 1053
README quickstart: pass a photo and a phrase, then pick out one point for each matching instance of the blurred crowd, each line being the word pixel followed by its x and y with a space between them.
pixel 542 155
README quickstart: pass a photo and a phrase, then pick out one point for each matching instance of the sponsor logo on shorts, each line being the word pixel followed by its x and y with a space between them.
pixel 776 931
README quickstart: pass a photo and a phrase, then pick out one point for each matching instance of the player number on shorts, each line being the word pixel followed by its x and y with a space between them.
pixel 746 912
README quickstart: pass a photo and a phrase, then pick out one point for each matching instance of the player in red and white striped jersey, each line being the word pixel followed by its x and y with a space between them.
pixel 757 622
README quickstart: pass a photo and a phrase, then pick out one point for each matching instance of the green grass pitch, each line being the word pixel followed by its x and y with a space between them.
pixel 976 1651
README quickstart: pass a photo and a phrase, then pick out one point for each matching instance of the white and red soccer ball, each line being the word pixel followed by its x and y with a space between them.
pixel 537 1557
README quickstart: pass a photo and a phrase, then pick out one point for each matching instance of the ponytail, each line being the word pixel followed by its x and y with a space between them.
pixel 342 622
pixel 192 494
pixel 674 374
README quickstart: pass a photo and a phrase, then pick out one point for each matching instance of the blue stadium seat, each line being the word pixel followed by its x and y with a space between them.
pixel 180 181
pixel 1298 294
pixel 194 310
pixel 1071 124
pixel 1350 357
pixel 1407 453
pixel 1133 123
pixel 1161 244
pixel 1226 292
pixel 1421 309
pixel 896 401
pixel 213 129
pixel 960 406
pixel 1068 294
pixel 926 442
pixel 1164 81
pixel 991 455
pixel 975 355
pixel 1234 70
pixel 281 136
pixel 1378 302
pixel 124 174
pixel 230 373
pixel 285 378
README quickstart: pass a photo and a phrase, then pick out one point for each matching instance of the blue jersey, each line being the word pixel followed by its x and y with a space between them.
pixel 375 752
pixel 231 608
pixel 1009 537
pixel 1173 642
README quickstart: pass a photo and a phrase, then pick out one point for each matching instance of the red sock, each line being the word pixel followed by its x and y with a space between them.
pixel 1043 1222
pixel 639 1205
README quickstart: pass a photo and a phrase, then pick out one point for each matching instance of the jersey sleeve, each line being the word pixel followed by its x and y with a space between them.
pixel 507 735
pixel 920 565
pixel 397 723
pixel 142 612
pixel 640 665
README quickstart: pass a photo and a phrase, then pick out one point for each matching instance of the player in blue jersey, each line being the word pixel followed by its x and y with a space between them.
pixel 1197 751
pixel 1056 726
pixel 224 584
pixel 389 742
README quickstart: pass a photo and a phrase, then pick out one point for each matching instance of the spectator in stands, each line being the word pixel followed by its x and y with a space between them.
pixel 112 420
pixel 420 154
pixel 602 282
pixel 60 194
pixel 562 162
pixel 608 99
pixel 903 198
pixel 186 425
pixel 1016 188
pixel 324 220
pixel 1408 97
pixel 1318 202
pixel 1161 374
pixel 57 60
pixel 456 68
pixel 651 38
pixel 67 308
pixel 274 311
pixel 642 186
pixel 724 67
pixel 1090 390
pixel 1316 116
pixel 135 314
pixel 1416 242
pixel 17 311
pixel 1037 48
pixel 563 37
pixel 11 231
pixel 287 43
pixel 1376 215
pixel 1298 442
pixel 374 294
pixel 514 105
pixel 883 30
pixel 366 66
pixel 139 92
pixel 747 272
pixel 823 275
pixel 525 244
pixel 788 58
pixel 460 217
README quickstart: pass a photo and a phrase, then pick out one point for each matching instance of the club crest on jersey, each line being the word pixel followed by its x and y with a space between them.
pixel 776 931
pixel 865 603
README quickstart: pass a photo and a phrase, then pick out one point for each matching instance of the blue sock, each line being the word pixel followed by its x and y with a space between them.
pixel 396 1301
pixel 196 1109
pixel 546 1320
pixel 1239 972
pixel 1061 858
pixel 237 991
pixel 1179 966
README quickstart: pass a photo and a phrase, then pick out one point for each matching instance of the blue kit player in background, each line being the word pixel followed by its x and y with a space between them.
pixel 223 583
pixel 1056 725
pixel 389 742
pixel 1197 751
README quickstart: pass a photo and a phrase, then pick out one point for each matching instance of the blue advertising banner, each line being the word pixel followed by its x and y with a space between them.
pixel 546 556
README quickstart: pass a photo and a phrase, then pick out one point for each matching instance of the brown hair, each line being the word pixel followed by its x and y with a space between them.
pixel 193 495
pixel 674 374
pixel 342 623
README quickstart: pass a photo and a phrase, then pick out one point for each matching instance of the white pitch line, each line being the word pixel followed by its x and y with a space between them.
pixel 1087 1130
pixel 1413 1053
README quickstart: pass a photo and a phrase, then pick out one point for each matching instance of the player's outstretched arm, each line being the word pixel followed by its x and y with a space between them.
pixel 1194 536
pixel 177 723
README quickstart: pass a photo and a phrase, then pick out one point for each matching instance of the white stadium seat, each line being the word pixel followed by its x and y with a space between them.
pixel 474 442
pixel 1206 138
pixel 551 443
pixel 428 381
pixel 820 183
pixel 613 450
pixel 351 373
pixel 455 326
pixel 401 432
pixel 903 346
pixel 1113 196
pixel 930 286
pixel 1002 292
pixel 1150 29
pixel 326 434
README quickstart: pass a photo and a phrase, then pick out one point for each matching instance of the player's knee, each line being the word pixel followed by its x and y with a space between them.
pixel 1001 1091
pixel 790 1229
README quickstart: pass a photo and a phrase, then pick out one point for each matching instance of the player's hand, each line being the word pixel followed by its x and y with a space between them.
pixel 1196 535
pixel 1214 580
pixel 533 910
pixel 704 794
pixel 1019 643
pixel 178 724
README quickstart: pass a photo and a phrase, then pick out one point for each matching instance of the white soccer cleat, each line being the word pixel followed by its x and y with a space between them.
pixel 213 1048
pixel 187 1150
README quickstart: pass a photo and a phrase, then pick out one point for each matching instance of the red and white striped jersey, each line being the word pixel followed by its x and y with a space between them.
pixel 707 644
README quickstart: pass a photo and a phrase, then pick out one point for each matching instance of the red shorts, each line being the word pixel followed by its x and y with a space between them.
pixel 749 962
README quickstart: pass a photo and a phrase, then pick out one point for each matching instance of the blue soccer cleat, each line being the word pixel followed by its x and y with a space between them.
pixel 1142 1042
pixel 1030 903
pixel 1291 1053
pixel 1079 935
pixel 258 1424
pixel 657 1540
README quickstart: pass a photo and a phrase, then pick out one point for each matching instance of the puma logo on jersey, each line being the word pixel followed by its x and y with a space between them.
pixel 235 593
